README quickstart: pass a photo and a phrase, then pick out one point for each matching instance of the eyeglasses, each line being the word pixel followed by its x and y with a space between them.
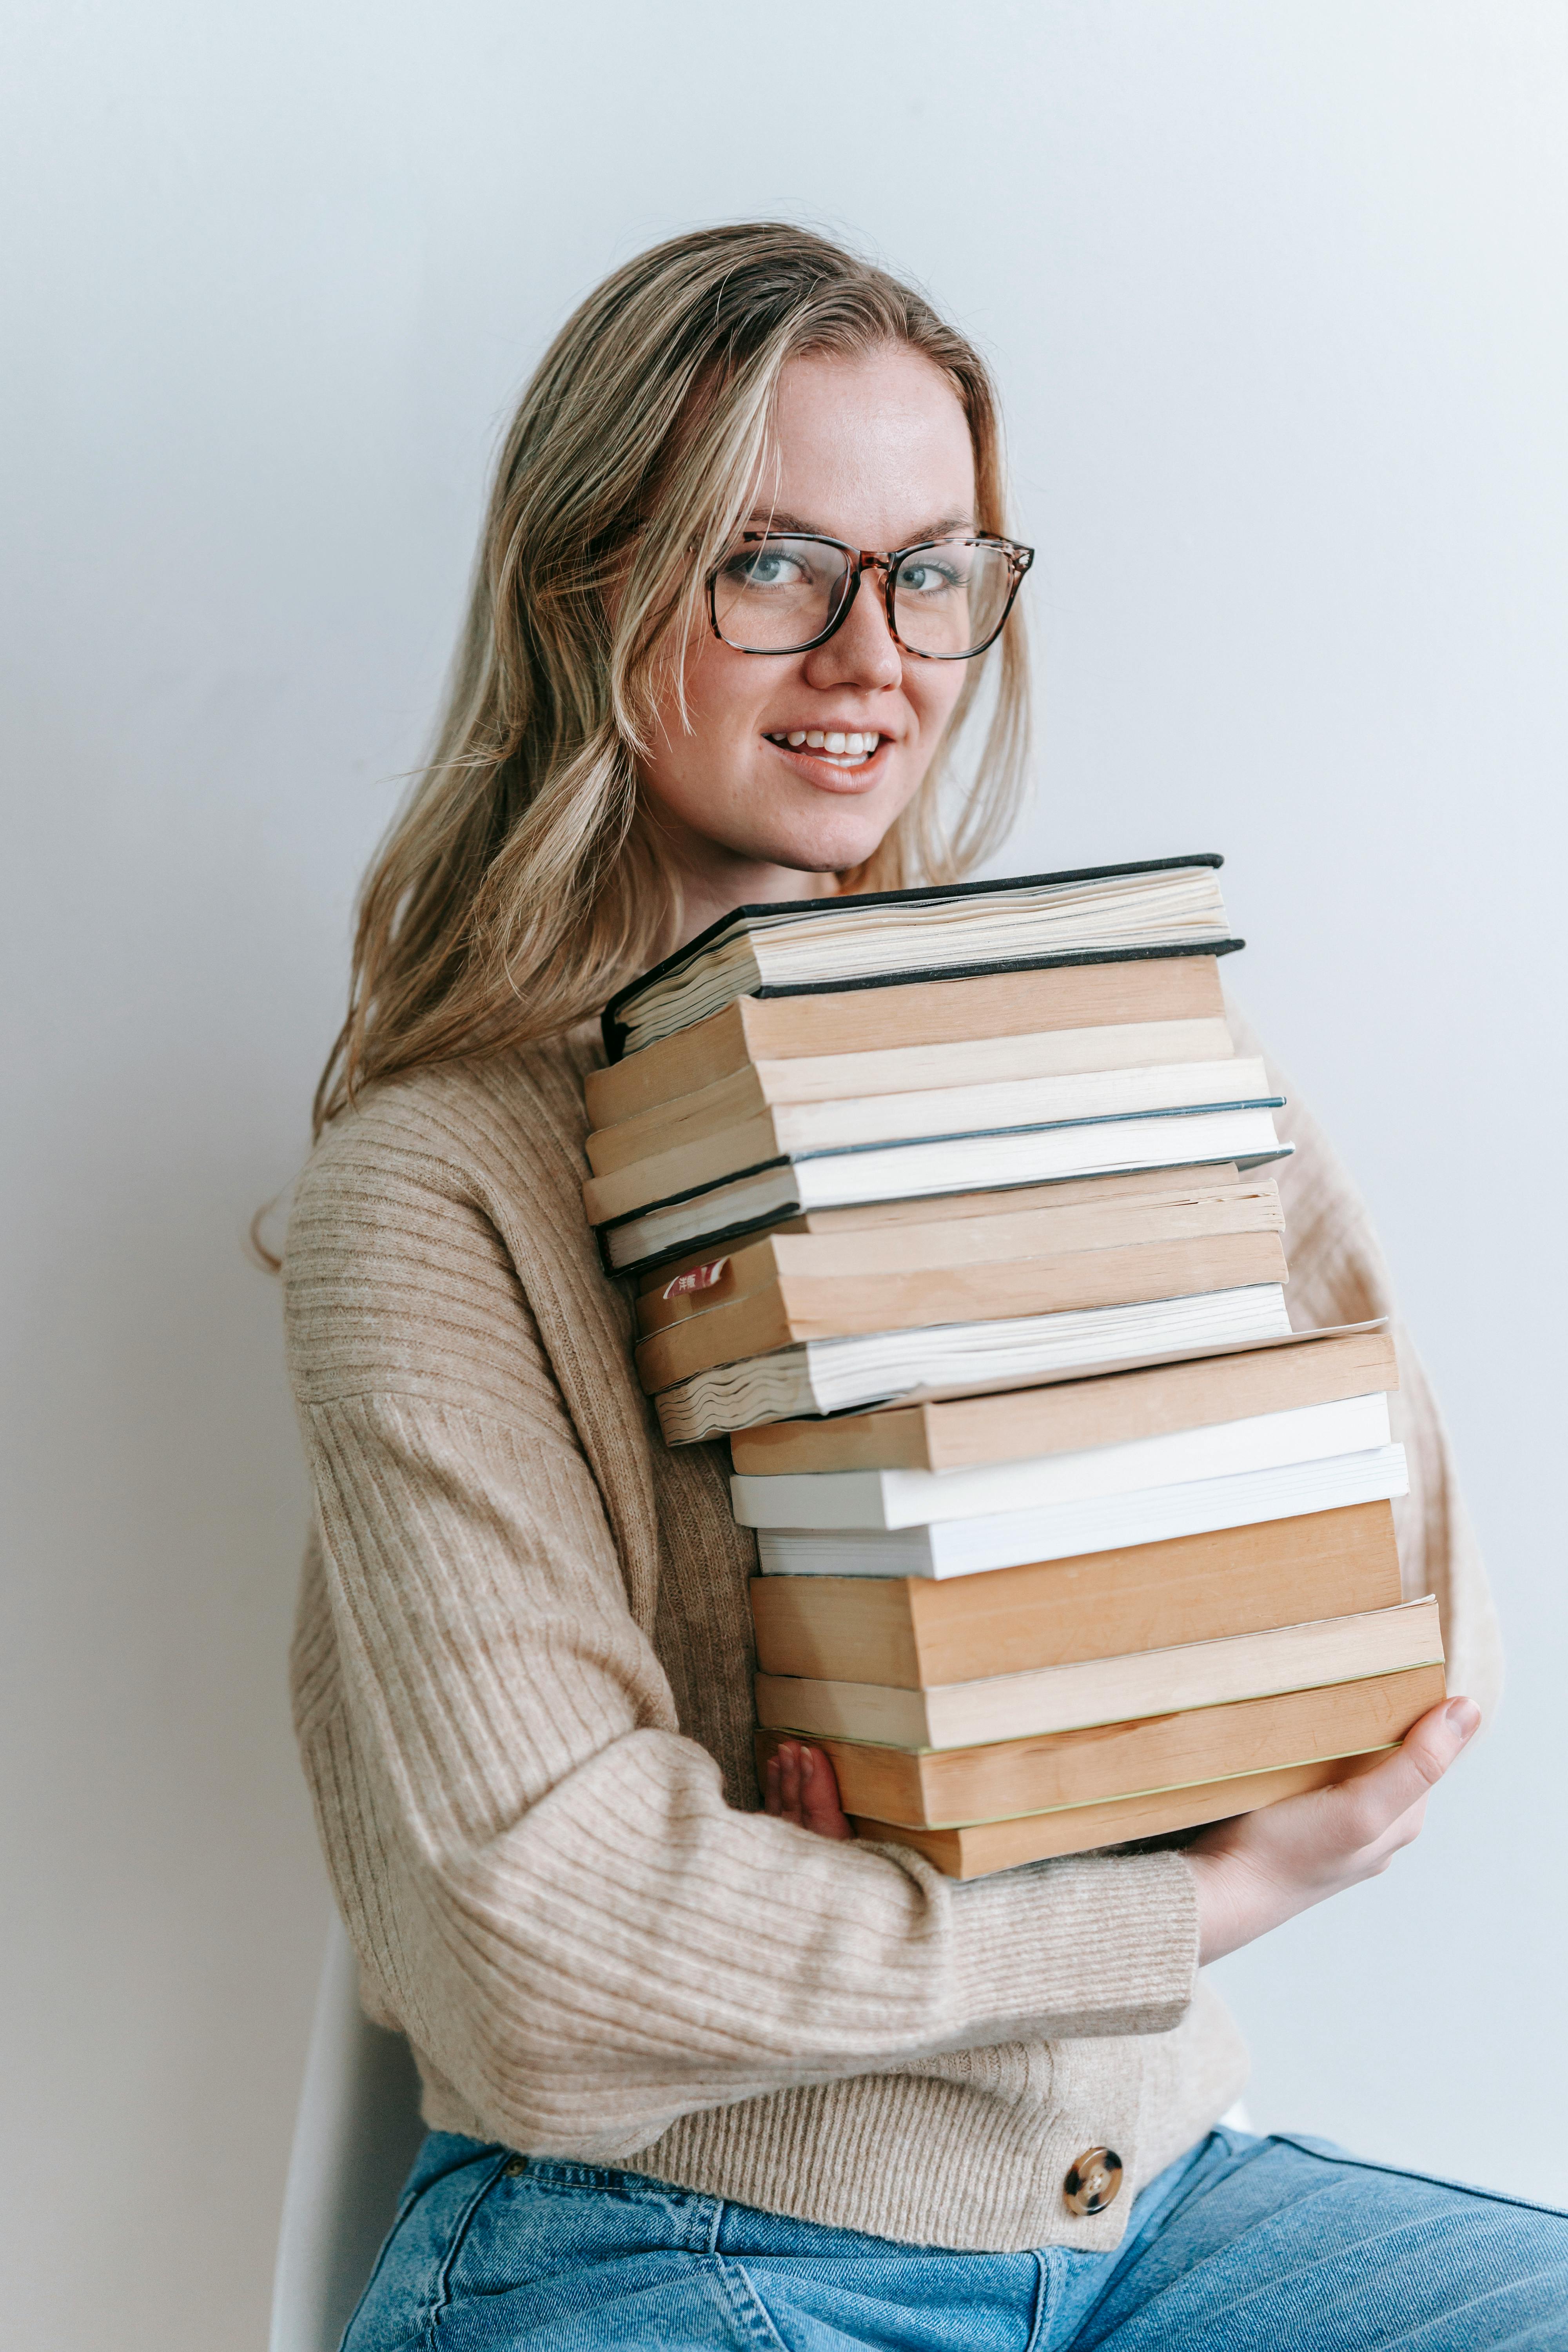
pixel 785 591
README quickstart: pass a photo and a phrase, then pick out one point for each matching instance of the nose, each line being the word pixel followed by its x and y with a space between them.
pixel 862 653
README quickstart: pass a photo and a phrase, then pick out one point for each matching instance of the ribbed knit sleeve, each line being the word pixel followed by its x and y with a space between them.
pixel 1339 1274
pixel 552 1893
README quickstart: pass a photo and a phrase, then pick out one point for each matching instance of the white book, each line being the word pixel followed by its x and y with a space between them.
pixel 1088 1691
pixel 913 1499
pixel 822 1376
pixel 906 1171
pixel 1064 1530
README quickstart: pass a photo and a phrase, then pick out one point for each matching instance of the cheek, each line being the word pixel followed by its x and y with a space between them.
pixel 932 689
pixel 683 749
pixel 724 689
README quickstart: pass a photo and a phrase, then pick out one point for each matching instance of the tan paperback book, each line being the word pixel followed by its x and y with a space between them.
pixel 864 1024
pixel 953 1787
pixel 1017 1424
pixel 919 1633
pixel 989 1846
pixel 1108 1690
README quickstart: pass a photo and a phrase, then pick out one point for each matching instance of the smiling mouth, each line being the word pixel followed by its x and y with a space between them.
pixel 836 747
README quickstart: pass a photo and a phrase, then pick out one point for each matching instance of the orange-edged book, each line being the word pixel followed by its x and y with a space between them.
pixel 857 1040
pixel 987 1846
pixel 916 1633
pixel 1111 1409
pixel 954 1788
pixel 1083 1692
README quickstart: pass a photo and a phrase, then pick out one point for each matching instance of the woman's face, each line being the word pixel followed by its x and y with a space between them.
pixel 874 452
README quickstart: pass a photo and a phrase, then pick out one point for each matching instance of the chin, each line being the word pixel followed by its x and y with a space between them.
pixel 846 839
pixel 836 855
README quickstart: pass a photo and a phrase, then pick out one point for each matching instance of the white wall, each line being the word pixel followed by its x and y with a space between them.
pixel 1276 297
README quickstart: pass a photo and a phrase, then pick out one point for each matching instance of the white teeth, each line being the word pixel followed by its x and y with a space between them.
pixel 838 744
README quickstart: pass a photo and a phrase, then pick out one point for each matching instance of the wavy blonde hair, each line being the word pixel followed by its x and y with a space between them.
pixel 521 882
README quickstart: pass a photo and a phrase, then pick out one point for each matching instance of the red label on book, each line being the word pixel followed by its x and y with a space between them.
pixel 696 1277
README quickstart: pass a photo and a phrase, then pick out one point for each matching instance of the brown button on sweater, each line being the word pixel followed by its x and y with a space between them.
pixel 522 1690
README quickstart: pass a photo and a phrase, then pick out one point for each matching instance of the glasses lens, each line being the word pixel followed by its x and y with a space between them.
pixel 774 596
pixel 950 597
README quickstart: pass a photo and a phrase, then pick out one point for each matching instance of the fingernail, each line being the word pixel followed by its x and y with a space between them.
pixel 806 1764
pixel 1464 1717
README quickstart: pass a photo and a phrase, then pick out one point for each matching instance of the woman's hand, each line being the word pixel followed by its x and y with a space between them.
pixel 1260 1870
pixel 801 1786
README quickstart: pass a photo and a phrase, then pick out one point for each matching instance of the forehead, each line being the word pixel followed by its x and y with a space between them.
pixel 874 449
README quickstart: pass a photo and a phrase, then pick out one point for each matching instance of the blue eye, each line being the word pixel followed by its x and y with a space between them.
pixel 775 564
pixel 928 578
pixel 761 569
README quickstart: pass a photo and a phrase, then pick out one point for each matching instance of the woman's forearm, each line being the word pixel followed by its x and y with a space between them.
pixel 589 1940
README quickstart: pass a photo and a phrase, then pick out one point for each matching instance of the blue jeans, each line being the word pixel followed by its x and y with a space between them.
pixel 1243 2245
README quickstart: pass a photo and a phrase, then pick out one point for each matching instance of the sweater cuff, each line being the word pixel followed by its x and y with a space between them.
pixel 1094 1944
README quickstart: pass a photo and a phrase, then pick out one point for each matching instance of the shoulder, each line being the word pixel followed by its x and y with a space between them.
pixel 482 1135
pixel 431 1214
pixel 461 1128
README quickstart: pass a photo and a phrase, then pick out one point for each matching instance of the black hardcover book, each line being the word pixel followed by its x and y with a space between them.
pixel 885 938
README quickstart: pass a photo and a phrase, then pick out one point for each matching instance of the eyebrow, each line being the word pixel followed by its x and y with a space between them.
pixel 775 519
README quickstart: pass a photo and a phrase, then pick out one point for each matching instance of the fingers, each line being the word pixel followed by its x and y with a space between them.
pixel 782 1788
pixel 1372 1803
pixel 1262 1868
pixel 799 1785
pixel 819 1795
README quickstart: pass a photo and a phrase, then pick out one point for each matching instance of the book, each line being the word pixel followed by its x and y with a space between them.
pixel 886 1499
pixel 1112 1408
pixel 976 1852
pixel 709 1215
pixel 959 1207
pixel 1170 906
pixel 863 1034
pixel 832 1375
pixel 808 1308
pixel 1072 1696
pixel 1051 1230
pixel 837 1098
pixel 952 1788
pixel 1150 1515
pixel 915 1632
pixel 624 1182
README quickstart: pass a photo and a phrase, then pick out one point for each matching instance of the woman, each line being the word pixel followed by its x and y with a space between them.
pixel 700 2069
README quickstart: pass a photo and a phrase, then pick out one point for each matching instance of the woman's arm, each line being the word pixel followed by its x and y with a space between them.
pixel 1339 1274
pixel 546 1885
pixel 1257 1872
pixel 1253 1872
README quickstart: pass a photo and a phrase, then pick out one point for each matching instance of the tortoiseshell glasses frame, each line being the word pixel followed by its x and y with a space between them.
pixel 891 563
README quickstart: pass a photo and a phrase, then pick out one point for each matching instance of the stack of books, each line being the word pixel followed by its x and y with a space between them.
pixel 946 1207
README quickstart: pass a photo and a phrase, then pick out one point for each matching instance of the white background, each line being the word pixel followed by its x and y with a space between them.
pixel 1275 295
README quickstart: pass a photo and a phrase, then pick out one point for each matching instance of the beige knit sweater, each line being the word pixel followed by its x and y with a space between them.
pixel 523 1689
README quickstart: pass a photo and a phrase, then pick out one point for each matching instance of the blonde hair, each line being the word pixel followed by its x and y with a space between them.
pixel 522 883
